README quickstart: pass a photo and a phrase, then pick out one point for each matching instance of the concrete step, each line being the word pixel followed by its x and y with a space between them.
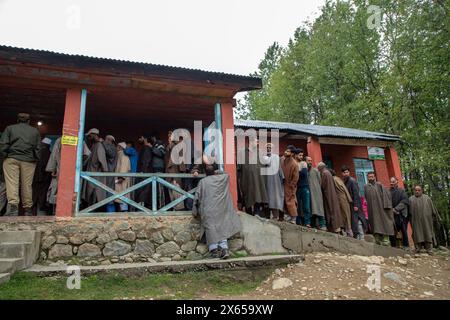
pixel 10 265
pixel 20 244
pixel 19 236
pixel 4 277
pixel 15 249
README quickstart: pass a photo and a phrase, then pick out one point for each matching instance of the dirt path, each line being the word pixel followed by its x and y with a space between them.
pixel 332 276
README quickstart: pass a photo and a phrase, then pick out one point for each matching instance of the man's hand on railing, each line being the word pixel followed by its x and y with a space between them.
pixel 120 180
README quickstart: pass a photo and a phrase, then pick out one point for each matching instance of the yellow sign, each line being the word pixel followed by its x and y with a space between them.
pixel 69 140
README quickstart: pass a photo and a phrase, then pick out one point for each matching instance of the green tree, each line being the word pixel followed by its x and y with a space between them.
pixel 394 78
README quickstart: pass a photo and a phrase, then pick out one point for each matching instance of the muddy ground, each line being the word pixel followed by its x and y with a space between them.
pixel 333 276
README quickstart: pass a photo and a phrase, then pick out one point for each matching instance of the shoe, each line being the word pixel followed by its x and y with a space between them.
pixel 225 254
pixel 41 212
pixel 12 210
pixel 214 254
pixel 323 228
pixel 27 212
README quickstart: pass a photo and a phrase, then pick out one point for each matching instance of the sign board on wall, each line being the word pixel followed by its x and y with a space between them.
pixel 69 140
pixel 375 153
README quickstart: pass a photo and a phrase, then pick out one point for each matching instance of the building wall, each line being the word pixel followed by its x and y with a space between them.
pixel 341 155
pixel 298 143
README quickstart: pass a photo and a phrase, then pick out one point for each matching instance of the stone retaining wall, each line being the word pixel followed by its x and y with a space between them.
pixel 119 239
pixel 298 239
pixel 106 240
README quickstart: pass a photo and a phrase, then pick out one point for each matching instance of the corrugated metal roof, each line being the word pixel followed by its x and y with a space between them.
pixel 315 130
pixel 124 66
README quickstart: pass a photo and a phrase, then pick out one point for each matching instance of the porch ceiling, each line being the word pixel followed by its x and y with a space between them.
pixel 131 109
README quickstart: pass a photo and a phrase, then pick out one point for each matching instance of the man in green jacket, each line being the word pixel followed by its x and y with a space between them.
pixel 19 147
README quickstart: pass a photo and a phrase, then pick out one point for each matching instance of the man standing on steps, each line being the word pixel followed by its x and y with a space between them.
pixel 291 174
pixel 304 194
pixel 20 147
pixel 274 183
pixel 317 209
pixel 345 201
pixel 423 212
pixel 400 206
pixel 253 185
pixel 379 205
pixel 359 224
pixel 330 199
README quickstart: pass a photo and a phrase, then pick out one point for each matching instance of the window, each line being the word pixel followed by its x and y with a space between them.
pixel 327 160
pixel 362 168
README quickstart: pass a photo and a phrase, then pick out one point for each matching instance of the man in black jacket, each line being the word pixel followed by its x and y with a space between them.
pixel 158 163
pixel 400 205
pixel 158 154
pixel 42 179
pixel 359 223
pixel 20 148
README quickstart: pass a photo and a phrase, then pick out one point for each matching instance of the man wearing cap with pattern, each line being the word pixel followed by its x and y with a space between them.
pixel 20 148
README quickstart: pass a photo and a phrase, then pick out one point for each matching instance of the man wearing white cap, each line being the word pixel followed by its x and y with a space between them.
pixel 42 179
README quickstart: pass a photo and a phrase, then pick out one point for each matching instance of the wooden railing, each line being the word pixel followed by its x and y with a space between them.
pixel 149 178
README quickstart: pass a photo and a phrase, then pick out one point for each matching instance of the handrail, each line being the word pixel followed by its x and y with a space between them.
pixel 148 178
pixel 141 175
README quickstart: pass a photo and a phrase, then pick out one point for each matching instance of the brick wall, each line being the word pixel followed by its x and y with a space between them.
pixel 343 155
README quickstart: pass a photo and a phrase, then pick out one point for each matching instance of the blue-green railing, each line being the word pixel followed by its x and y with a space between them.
pixel 149 178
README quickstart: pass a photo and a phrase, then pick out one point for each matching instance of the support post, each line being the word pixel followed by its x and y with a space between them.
pixel 218 120
pixel 229 152
pixel 314 150
pixel 393 165
pixel 73 126
pixel 79 164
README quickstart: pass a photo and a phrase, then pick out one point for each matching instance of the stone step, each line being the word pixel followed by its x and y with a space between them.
pixel 15 249
pixel 10 265
pixel 20 244
pixel 20 236
pixel 141 269
pixel 4 277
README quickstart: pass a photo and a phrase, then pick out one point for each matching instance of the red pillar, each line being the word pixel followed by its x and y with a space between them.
pixel 314 150
pixel 66 182
pixel 393 165
pixel 229 157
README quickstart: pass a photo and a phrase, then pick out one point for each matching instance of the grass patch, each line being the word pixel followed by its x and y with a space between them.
pixel 189 285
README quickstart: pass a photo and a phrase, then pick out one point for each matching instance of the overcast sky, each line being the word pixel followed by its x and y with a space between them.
pixel 228 35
